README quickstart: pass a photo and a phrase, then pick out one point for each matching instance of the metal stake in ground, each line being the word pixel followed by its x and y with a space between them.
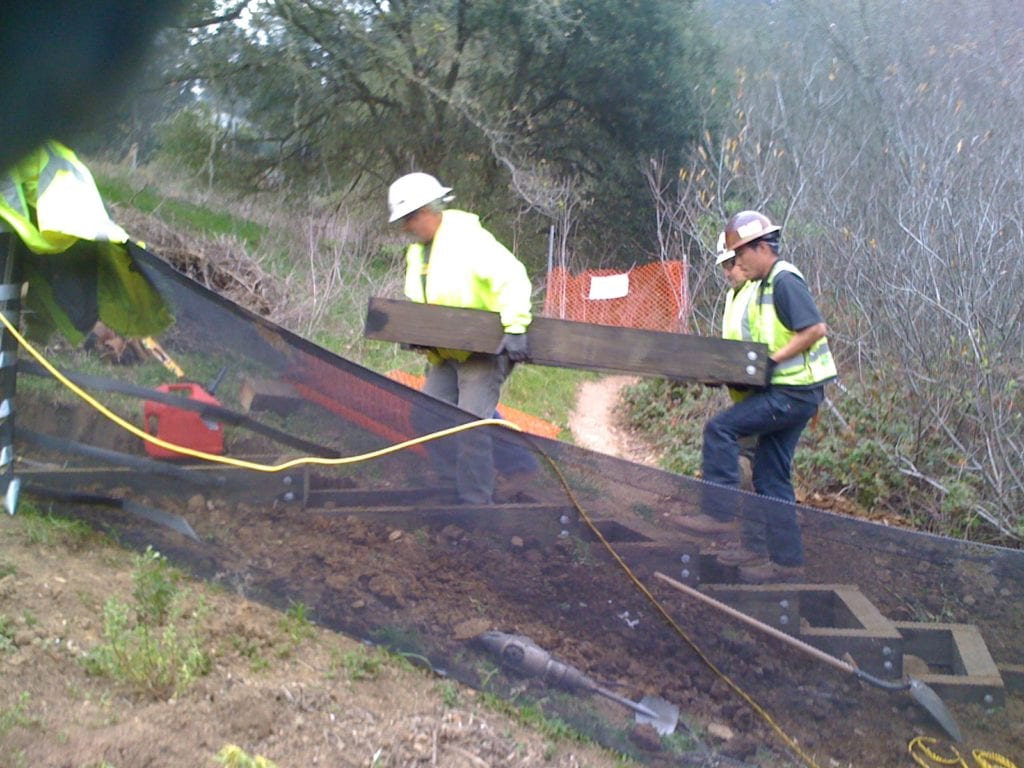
pixel 10 305
pixel 919 692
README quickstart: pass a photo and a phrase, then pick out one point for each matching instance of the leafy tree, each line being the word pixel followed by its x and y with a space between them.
pixel 504 100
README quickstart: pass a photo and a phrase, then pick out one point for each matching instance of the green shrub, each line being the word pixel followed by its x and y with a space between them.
pixel 870 446
pixel 156 586
pixel 153 645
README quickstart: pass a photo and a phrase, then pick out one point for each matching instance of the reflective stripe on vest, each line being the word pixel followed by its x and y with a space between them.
pixel 67 205
pixel 809 367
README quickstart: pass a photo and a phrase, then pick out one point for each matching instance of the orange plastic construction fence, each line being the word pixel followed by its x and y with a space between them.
pixel 652 296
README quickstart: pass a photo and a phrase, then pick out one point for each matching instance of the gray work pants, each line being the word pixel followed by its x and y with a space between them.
pixel 474 386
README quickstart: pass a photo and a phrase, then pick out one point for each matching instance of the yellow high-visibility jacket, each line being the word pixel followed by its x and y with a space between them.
pixel 815 365
pixel 467 267
pixel 77 265
pixel 736 323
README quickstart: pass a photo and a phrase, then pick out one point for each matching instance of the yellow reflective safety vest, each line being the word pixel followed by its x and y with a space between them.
pixel 465 266
pixel 812 366
pixel 50 200
pixel 77 264
pixel 736 323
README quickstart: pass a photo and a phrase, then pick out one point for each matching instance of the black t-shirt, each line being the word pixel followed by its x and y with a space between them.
pixel 793 303
pixel 796 310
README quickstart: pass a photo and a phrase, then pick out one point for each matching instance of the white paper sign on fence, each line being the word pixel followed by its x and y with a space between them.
pixel 609 286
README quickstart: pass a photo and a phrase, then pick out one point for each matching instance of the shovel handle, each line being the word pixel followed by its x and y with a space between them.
pixel 769 630
pixel 889 685
pixel 920 692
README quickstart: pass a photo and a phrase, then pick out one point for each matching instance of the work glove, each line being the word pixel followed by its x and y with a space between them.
pixel 769 369
pixel 513 345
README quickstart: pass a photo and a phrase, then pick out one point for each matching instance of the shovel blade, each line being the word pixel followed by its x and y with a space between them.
pixel 929 699
pixel 666 715
pixel 158 516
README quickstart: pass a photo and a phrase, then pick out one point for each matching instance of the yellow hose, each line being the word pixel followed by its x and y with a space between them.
pixel 241 463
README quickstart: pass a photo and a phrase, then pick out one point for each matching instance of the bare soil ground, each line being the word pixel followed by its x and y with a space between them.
pixel 320 700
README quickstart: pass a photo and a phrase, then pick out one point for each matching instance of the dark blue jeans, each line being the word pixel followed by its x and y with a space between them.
pixel 777 416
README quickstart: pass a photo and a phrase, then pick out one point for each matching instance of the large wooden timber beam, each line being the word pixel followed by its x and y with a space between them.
pixel 568 344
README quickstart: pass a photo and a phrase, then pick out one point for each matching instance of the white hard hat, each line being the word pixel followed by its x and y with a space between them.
pixel 411 192
pixel 723 254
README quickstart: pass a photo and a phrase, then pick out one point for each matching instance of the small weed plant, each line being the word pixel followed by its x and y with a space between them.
pixel 153 645
pixel 156 586
pixel 361 663
pixel 296 626
pixel 449 693
pixel 6 634
pixel 233 756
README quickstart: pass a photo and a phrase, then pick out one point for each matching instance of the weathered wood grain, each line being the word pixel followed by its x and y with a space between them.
pixel 569 344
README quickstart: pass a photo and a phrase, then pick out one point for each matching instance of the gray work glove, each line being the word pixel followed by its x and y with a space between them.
pixel 514 346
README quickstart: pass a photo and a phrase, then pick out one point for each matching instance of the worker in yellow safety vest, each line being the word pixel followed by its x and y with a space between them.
pixel 736 312
pixel 57 238
pixel 782 315
pixel 455 262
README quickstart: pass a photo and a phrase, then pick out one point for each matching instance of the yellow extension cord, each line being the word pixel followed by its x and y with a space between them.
pixel 921 752
pixel 918 747
pixel 241 463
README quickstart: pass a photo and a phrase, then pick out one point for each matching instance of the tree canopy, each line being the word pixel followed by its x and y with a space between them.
pixel 516 104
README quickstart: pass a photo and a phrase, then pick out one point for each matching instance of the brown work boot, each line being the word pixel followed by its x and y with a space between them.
pixel 736 556
pixel 706 524
pixel 770 572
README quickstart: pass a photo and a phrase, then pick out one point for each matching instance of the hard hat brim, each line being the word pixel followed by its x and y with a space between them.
pixel 402 210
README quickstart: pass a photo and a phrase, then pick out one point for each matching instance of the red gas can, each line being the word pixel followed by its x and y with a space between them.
pixel 185 428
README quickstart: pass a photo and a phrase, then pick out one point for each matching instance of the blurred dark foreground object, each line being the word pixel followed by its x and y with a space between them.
pixel 64 64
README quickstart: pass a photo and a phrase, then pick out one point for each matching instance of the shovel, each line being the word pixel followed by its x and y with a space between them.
pixel 661 715
pixel 919 692
pixel 527 658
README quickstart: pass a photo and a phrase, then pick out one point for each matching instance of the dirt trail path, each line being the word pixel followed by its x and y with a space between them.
pixel 597 421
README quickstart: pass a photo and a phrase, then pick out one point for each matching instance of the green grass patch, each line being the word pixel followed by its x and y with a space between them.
pixel 198 217
pixel 17 715
pixel 533 717
pixel 51 529
pixel 546 392
pixel 360 663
